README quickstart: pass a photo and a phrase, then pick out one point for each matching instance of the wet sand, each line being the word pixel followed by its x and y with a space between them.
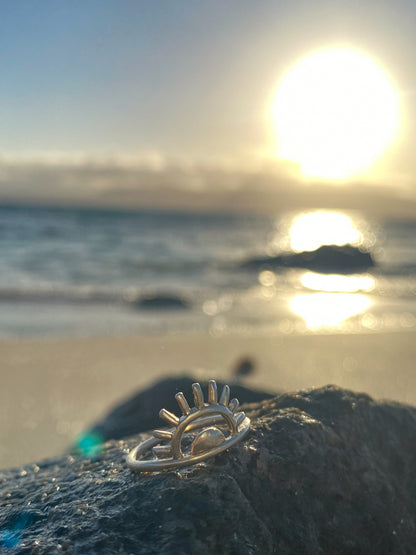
pixel 52 389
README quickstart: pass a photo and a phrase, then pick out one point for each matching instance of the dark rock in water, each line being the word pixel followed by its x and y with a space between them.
pixel 326 259
pixel 162 302
pixel 140 413
pixel 322 471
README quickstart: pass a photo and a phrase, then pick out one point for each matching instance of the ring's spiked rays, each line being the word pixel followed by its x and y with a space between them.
pixel 167 444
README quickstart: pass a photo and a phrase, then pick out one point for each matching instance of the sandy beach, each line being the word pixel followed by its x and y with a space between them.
pixel 52 389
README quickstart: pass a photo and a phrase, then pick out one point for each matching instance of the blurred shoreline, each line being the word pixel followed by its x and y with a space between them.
pixel 72 273
pixel 53 389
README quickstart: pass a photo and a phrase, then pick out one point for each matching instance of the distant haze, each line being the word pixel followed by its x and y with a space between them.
pixel 178 185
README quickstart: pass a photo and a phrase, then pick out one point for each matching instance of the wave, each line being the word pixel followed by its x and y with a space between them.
pixel 399 270
pixel 66 294
pixel 156 300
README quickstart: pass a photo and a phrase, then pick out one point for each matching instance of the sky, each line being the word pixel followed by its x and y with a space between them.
pixel 167 104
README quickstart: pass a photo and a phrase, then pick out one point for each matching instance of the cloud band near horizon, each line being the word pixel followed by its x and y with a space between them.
pixel 150 180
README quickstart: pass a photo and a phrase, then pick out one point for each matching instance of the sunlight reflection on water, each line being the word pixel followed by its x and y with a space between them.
pixel 312 230
pixel 337 283
pixel 328 309
pixel 337 297
pixel 307 231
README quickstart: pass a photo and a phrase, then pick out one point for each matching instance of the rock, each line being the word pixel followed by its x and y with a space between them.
pixel 140 413
pixel 322 471
pixel 162 302
pixel 245 366
pixel 327 259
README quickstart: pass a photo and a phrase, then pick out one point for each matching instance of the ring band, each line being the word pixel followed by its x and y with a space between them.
pixel 171 454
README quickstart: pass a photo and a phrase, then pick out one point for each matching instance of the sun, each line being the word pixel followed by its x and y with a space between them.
pixel 335 113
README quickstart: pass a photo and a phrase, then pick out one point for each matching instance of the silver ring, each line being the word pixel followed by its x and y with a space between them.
pixel 178 446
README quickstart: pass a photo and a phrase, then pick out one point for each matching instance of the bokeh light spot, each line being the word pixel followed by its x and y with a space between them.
pixel 89 444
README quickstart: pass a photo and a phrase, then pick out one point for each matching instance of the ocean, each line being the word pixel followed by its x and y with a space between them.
pixel 83 272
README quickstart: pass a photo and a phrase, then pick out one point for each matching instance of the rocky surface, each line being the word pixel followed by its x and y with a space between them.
pixel 322 471
pixel 327 259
